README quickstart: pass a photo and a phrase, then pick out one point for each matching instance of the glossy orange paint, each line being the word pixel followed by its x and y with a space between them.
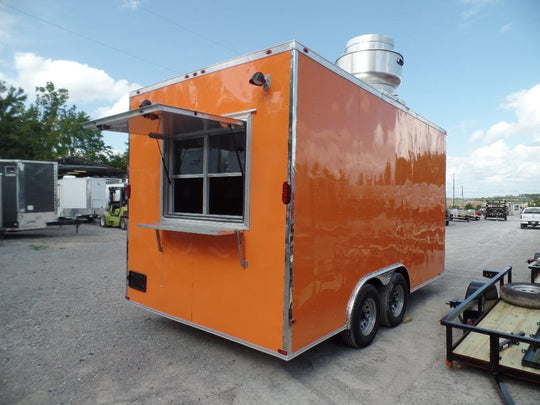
pixel 198 278
pixel 368 191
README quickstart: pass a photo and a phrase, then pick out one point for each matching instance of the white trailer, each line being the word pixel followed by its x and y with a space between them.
pixel 83 197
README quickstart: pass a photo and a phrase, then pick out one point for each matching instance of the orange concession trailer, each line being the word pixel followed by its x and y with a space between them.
pixel 277 200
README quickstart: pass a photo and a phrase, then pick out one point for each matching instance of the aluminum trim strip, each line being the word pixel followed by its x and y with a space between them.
pixel 215 332
pixel 427 282
pixel 291 45
pixel 315 343
pixel 381 273
pixel 289 221
pixel 217 67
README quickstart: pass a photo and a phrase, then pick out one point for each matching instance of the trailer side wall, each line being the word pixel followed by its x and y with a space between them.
pixel 198 278
pixel 369 192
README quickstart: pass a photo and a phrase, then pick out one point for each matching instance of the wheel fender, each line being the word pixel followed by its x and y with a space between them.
pixel 378 278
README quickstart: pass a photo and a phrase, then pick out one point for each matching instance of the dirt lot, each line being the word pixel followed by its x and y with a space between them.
pixel 68 336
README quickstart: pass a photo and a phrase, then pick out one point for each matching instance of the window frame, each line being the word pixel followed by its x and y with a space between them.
pixel 204 223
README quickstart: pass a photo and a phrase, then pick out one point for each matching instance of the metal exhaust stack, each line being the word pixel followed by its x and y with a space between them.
pixel 372 59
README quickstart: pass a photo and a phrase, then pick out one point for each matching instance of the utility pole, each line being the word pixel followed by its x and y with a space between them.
pixel 454 190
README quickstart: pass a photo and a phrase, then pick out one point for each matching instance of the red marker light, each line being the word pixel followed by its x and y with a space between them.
pixel 128 191
pixel 286 193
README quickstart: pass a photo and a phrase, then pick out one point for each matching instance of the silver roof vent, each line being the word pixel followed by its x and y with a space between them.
pixel 372 58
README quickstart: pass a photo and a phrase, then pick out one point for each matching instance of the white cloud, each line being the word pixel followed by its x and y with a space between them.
pixel 497 169
pixel 99 93
pixel 477 135
pixel 132 4
pixel 526 106
pixel 505 28
pixel 120 106
pixel 508 161
pixel 84 83
pixel 473 8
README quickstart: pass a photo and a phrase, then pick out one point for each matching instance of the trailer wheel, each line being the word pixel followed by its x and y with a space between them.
pixel 364 318
pixel 394 298
pixel 522 294
pixel 103 221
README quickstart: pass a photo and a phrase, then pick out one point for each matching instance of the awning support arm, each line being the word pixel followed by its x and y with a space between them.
pixel 163 162
pixel 243 262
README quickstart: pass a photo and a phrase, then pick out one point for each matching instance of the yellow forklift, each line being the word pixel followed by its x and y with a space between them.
pixel 117 213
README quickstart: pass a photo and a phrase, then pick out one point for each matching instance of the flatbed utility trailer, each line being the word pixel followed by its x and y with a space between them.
pixel 495 334
pixel 278 200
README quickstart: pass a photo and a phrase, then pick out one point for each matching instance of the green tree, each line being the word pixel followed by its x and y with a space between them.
pixel 16 124
pixel 62 133
pixel 49 128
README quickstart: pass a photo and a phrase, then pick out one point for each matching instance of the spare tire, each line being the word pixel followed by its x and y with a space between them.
pixel 522 294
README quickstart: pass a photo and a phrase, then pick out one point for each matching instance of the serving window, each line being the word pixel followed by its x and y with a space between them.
pixel 205 165
pixel 208 176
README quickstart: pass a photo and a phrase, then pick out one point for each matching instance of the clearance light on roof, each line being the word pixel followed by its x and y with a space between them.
pixel 260 79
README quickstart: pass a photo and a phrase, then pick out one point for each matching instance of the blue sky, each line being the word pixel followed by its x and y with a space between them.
pixel 471 66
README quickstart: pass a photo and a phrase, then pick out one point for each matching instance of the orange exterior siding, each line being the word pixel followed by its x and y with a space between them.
pixel 369 192
pixel 198 278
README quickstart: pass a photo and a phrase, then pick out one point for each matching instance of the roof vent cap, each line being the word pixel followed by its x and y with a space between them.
pixel 372 59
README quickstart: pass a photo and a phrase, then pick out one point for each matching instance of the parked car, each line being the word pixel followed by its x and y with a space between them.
pixel 473 215
pixel 529 216
pixel 448 217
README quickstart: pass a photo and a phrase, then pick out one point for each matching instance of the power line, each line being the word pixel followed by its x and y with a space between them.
pixel 60 27
pixel 170 21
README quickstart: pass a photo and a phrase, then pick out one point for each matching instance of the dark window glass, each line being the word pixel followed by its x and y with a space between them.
pixel 227 153
pixel 188 195
pixel 207 175
pixel 226 195
pixel 188 156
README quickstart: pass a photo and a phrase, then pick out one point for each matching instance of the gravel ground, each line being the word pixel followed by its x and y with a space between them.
pixel 68 336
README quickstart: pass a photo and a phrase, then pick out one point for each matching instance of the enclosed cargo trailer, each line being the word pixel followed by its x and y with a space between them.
pixel 277 200
pixel 85 197
pixel 29 198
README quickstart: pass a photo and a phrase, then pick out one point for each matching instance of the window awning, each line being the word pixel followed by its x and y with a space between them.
pixel 160 121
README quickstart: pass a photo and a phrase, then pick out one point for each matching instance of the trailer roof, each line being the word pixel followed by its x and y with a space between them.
pixel 286 47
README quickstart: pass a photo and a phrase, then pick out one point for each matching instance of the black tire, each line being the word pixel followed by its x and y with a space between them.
pixel 394 298
pixel 103 221
pixel 522 294
pixel 123 224
pixel 364 318
pixel 523 226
